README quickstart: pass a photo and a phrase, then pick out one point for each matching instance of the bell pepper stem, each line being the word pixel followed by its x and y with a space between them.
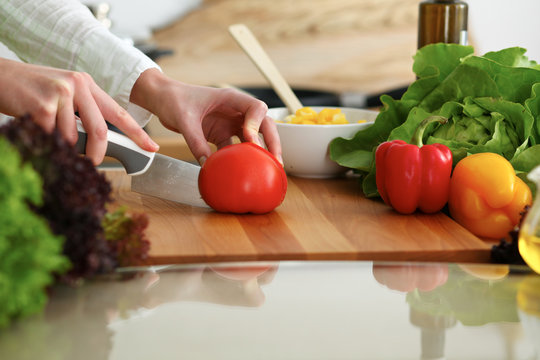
pixel 419 132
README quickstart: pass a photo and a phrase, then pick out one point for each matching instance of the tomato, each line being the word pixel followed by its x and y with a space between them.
pixel 406 278
pixel 242 178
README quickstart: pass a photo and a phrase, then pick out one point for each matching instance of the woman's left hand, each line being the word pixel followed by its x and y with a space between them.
pixel 205 114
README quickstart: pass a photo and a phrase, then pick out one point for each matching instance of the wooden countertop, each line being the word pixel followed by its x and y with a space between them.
pixel 318 220
pixel 334 45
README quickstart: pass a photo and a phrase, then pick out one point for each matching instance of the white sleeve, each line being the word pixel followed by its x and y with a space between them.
pixel 64 34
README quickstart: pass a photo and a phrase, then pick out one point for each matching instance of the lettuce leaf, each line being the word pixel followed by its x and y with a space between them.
pixel 30 254
pixel 492 104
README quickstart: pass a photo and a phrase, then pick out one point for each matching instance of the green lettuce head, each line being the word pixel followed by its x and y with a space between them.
pixel 491 102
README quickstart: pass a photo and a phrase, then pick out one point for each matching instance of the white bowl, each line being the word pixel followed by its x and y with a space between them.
pixel 305 147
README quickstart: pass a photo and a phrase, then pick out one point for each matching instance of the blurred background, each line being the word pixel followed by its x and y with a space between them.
pixel 338 45
pixel 345 47
pixel 348 47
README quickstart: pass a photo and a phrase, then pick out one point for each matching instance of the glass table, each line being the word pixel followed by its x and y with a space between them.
pixel 289 310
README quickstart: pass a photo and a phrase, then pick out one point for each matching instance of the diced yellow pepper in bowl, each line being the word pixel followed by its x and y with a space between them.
pixel 327 116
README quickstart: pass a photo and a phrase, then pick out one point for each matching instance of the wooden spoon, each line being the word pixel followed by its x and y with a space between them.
pixel 251 46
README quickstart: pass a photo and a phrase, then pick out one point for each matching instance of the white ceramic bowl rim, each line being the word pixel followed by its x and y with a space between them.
pixel 311 159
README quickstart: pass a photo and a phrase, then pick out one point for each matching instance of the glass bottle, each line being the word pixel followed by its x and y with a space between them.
pixel 529 234
pixel 433 329
pixel 442 21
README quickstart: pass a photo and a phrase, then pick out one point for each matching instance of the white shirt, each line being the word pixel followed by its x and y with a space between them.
pixel 64 34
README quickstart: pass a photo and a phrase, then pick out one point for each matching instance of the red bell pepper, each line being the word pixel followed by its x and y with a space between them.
pixel 414 176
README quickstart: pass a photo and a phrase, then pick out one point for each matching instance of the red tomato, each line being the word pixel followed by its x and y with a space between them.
pixel 242 178
pixel 406 278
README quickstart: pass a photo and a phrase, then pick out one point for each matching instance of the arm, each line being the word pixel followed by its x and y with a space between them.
pixel 51 96
pixel 69 43
pixel 65 35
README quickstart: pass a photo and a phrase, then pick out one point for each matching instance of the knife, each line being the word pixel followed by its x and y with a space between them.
pixel 151 173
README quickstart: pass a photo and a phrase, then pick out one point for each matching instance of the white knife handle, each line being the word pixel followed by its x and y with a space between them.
pixel 134 159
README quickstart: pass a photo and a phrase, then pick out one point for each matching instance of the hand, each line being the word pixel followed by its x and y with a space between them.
pixel 235 285
pixel 52 96
pixel 205 114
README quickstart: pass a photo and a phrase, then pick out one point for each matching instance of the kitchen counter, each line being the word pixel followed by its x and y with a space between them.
pixel 289 310
pixel 326 219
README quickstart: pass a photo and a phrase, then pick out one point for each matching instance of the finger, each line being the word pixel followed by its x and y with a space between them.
pixel 254 110
pixel 44 114
pixel 253 119
pixel 196 141
pixel 271 137
pixel 250 130
pixel 225 142
pixel 65 120
pixel 94 125
pixel 57 93
pixel 118 116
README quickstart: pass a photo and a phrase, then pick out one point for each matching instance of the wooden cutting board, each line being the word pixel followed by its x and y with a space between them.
pixel 318 220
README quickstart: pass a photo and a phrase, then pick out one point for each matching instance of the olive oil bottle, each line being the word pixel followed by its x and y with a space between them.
pixel 442 21
pixel 529 234
pixel 529 248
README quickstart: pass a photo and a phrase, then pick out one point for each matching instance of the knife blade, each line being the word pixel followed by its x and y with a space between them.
pixel 151 173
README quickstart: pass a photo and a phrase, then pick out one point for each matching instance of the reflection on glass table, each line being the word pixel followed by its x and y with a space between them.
pixel 289 310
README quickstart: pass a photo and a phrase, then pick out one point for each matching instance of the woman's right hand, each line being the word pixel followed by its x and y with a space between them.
pixel 52 96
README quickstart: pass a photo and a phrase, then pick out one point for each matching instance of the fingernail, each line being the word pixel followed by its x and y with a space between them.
pixel 154 145
pixel 280 159
pixel 253 131
pixel 95 160
pixel 202 159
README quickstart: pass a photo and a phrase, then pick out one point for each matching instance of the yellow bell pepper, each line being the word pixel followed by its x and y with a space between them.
pixel 486 197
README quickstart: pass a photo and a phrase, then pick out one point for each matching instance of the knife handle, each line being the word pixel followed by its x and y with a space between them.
pixel 134 159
